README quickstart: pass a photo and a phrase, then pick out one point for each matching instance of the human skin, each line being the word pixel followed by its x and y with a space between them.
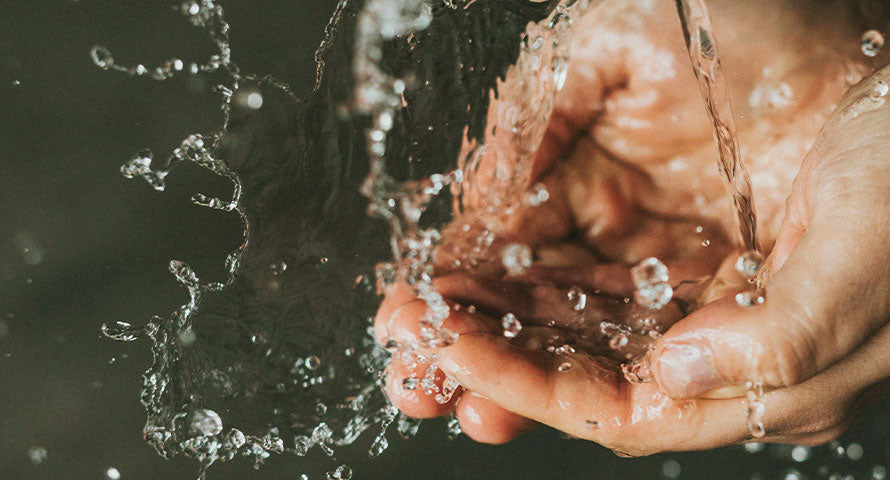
pixel 630 165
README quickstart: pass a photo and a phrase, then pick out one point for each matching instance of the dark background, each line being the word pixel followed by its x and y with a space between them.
pixel 65 128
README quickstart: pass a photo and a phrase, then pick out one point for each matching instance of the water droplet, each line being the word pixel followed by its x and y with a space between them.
pixel 206 423
pixel 187 337
pixel 748 264
pixel 320 409
pixel 565 366
pixel 278 268
pixel 755 447
pixel 312 362
pixel 409 383
pixel 324 260
pixel 236 438
pixel 101 57
pixel 343 472
pixel 650 278
pixel 537 195
pixel 37 455
pixel 750 298
pixel 879 472
pixel 578 299
pixel 511 325
pixel 255 100
pixel 112 473
pixel 855 452
pixel 516 258
pixel 872 43
pixel 800 453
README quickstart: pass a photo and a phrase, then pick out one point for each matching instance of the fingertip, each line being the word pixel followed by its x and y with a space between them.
pixel 486 422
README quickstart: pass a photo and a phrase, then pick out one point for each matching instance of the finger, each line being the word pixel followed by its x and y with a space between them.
pixel 590 399
pixel 486 422
pixel 829 279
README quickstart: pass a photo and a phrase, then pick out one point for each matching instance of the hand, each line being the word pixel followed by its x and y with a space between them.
pixel 612 187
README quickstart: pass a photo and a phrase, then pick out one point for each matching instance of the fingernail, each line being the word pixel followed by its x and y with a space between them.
pixel 684 371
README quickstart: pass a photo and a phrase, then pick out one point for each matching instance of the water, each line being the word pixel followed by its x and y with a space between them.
pixel 701 43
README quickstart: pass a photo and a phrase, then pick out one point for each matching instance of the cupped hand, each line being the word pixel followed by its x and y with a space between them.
pixel 628 162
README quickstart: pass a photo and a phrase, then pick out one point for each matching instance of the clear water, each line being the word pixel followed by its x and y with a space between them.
pixel 277 356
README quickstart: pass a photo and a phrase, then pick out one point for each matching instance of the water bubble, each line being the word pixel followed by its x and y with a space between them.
pixel 511 325
pixel 750 298
pixel 872 43
pixel 16 83
pixel 206 423
pixel 748 264
pixel 880 90
pixel 101 57
pixel 278 268
pixel 879 472
pixel 112 473
pixel 671 469
pixel 37 455
pixel 516 258
pixel 191 7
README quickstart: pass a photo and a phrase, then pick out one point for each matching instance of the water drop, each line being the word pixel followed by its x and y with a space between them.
pixel 750 298
pixel 748 264
pixel 191 7
pixel 537 195
pixel 879 472
pixel 101 57
pixel 255 100
pixel 409 383
pixel 278 268
pixel 511 325
pixel 650 278
pixel 37 455
pixel 235 438
pixel 855 452
pixel 112 474
pixel 324 260
pixel 516 258
pixel 565 366
pixel 755 447
pixel 872 43
pixel 206 423
pixel 578 299
pixel 312 362
pixel 343 472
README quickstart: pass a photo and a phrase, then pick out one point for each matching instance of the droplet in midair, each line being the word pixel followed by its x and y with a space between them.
pixel 37 455
pixel 516 258
pixel 101 57
pixel 206 423
pixel 511 325
pixel 650 278
pixel 872 43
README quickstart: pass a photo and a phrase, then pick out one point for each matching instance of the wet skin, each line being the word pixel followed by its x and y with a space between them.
pixel 629 162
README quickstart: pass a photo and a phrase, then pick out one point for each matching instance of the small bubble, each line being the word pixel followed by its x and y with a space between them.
pixel 37 455
pixel 102 57
pixel 511 325
pixel 516 258
pixel 112 474
pixel 872 43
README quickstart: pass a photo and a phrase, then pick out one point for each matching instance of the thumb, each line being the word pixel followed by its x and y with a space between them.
pixel 828 278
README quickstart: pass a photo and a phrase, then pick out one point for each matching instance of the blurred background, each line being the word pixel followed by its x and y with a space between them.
pixel 80 246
